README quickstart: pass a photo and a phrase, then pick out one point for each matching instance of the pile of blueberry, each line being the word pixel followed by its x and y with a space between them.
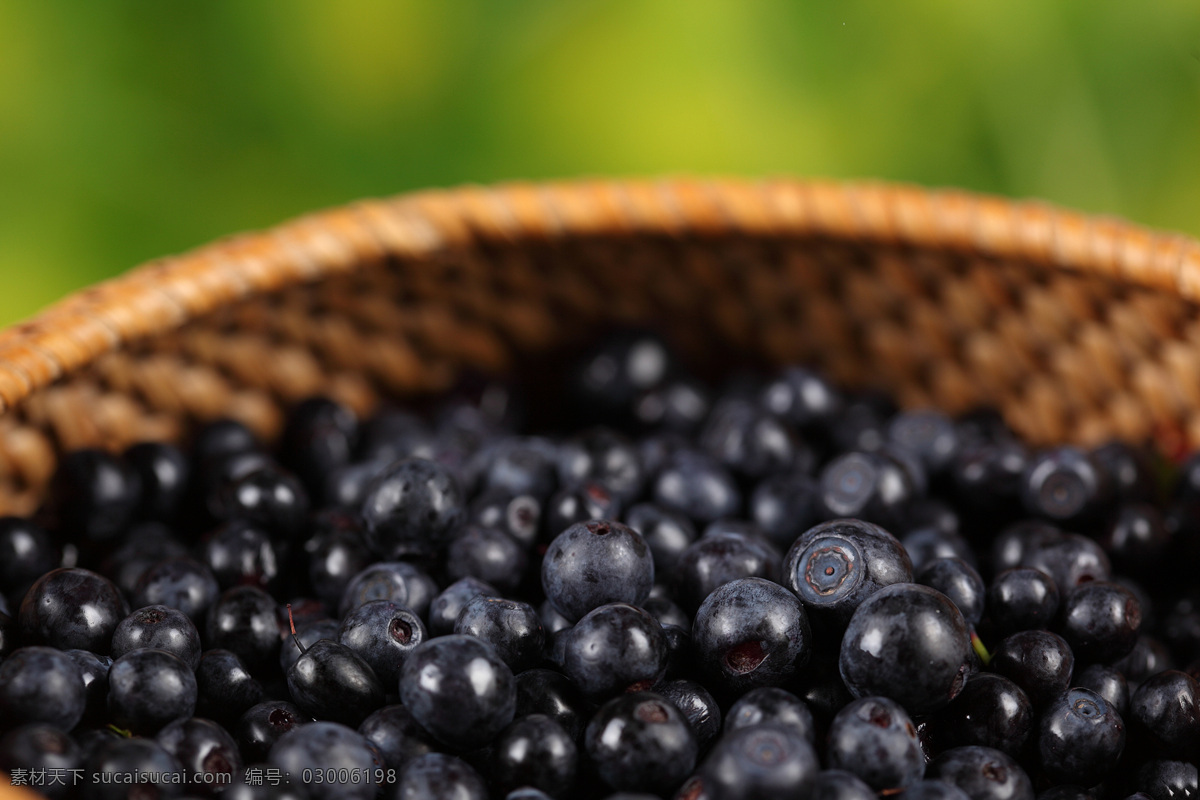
pixel 770 589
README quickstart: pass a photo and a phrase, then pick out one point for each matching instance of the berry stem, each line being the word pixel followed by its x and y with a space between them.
pixel 980 649
pixel 292 625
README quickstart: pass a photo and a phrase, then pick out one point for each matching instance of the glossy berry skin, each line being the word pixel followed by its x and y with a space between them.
pixel 771 706
pixel 139 548
pixel 1101 621
pixel 518 515
pixel 543 691
pixel 330 681
pixel 445 608
pixel 836 784
pixel 459 690
pixel 202 747
pixel 614 648
pixel 335 553
pixel 929 789
pixel 41 684
pixel 94 494
pixel 603 456
pixel 225 688
pixel 784 506
pixel 94 671
pixel 123 768
pixel 1168 780
pixel 240 553
pixel 678 405
pixel 26 553
pixel 698 707
pixel 267 496
pixel 871 486
pixel 579 504
pixel 179 582
pixel 519 466
pixel 594 563
pixel 383 634
pixel 243 621
pixel 802 397
pixel 1081 738
pixel 698 487
pixel 641 742
pixel 1070 559
pixel 924 544
pixel 907 642
pixel 983 773
pixel 320 435
pixel 438 776
pixel 875 739
pixel 158 628
pixel 397 735
pixel 1040 662
pixel 668 534
pixel 534 751
pixel 991 711
pixel 309 632
pixel 929 435
pixel 835 566
pixel 959 581
pixel 607 382
pixel 760 762
pixel 1165 711
pixel 510 626
pixel 71 608
pixel 148 689
pixel 1022 598
pixel 261 725
pixel 40 747
pixel 330 748
pixel 750 442
pixel 398 581
pixel 715 560
pixel 487 554
pixel 411 508
pixel 1137 539
pixel 1064 485
pixel 751 633
pixel 1130 471
pixel 163 475
pixel 1109 683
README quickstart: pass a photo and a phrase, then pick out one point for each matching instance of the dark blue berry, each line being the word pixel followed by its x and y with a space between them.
pixel 243 621
pixel 148 689
pixel 785 506
pixel 41 684
pixel 397 735
pixel 959 581
pixel 698 487
pixel 45 751
pixel 717 559
pixel 26 553
pixel 518 515
pixel 1168 780
pixel 72 608
pixel 1080 739
pixel 871 486
pixel 875 739
pixel 751 442
pixel 983 773
pixel 487 554
pixel 309 632
pixel 94 494
pixel 697 706
pixel 178 582
pixel 342 756
pixel 266 496
pixel 543 691
pixel 594 563
pixel 601 456
pixel 836 784
pixel 1040 662
pixel 93 669
pixel 225 688
pixel 445 608
pixel 129 768
pixel 335 553
pixel 240 553
pixel 510 626
pixel 615 648
pixel 771 706
pixel 991 711
pixel 398 581
pixel 1165 712
pixel 929 435
pixel 579 504
pixel 1064 485
pixel 158 628
pixel 1022 598
pixel 534 751
pixel 411 508
pixel 163 474
pixel 330 681
pixel 759 762
pixel 641 742
pixel 205 750
pixel 261 725
pixel 383 634
pixel 438 776
pixel 1101 621
pixel 1108 682
pixel 320 436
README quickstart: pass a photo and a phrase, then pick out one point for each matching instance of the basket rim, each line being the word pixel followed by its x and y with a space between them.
pixel 163 294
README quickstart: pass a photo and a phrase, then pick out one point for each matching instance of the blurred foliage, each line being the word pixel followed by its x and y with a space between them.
pixel 131 129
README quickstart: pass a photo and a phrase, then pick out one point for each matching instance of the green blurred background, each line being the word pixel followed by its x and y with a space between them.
pixel 130 130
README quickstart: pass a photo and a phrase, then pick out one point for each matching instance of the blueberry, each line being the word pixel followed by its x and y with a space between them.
pixel 340 755
pixel 697 486
pixel 520 466
pixel 836 565
pixel 667 613
pixel 41 684
pixel 222 437
pixel 983 773
pixel 459 689
pixel 751 633
pixel 178 582
pixel 510 626
pixel 1168 780
pixel 518 515
pixel 759 762
pixel 543 691
pixel 715 560
pixel 697 706
pixel 802 397
pixel 991 711
pixel 929 435
pixel 137 549
pixel 641 742
pixel 1108 682
pixel 987 481
pixel 93 669
pixel 225 689
pixel 266 496
pixel 41 748
pixel 158 628
pixel 445 608
pixel 1080 738
pixel 240 553
pixel 203 748
pixel 959 581
pixel 876 740
pixel 127 768
pixel 335 553
pixel 1022 598
pixel 907 642
pixel 871 486
pixel 608 381
pixel 1064 484
pixel 411 508
pixel 94 494
pixel 163 474
pixel 836 784
pixel 1129 470
pixel 1070 559
pixel 261 725
pixel 148 689
pixel 309 632
pixel 771 706
pixel 1040 662
pixel 398 581
pixel 320 435
pixel 383 634
pixel 72 609
pixel 1101 621
pixel 677 405
pixel 397 735
pixel 243 621
pixel 1165 712
pixel 26 552
pixel 571 506
pixel 332 682
pixel 924 544
pixel 785 506
pixel 594 563
pixel 615 648
pixel 487 554
pixel 1137 539
pixel 604 457
pixel 751 442
pixel 534 751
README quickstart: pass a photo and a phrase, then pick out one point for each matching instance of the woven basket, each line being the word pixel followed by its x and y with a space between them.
pixel 1077 328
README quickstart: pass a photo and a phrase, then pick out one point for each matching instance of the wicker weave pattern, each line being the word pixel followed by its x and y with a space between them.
pixel 1078 328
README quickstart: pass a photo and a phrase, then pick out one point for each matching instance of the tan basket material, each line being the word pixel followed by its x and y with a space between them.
pixel 1078 328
